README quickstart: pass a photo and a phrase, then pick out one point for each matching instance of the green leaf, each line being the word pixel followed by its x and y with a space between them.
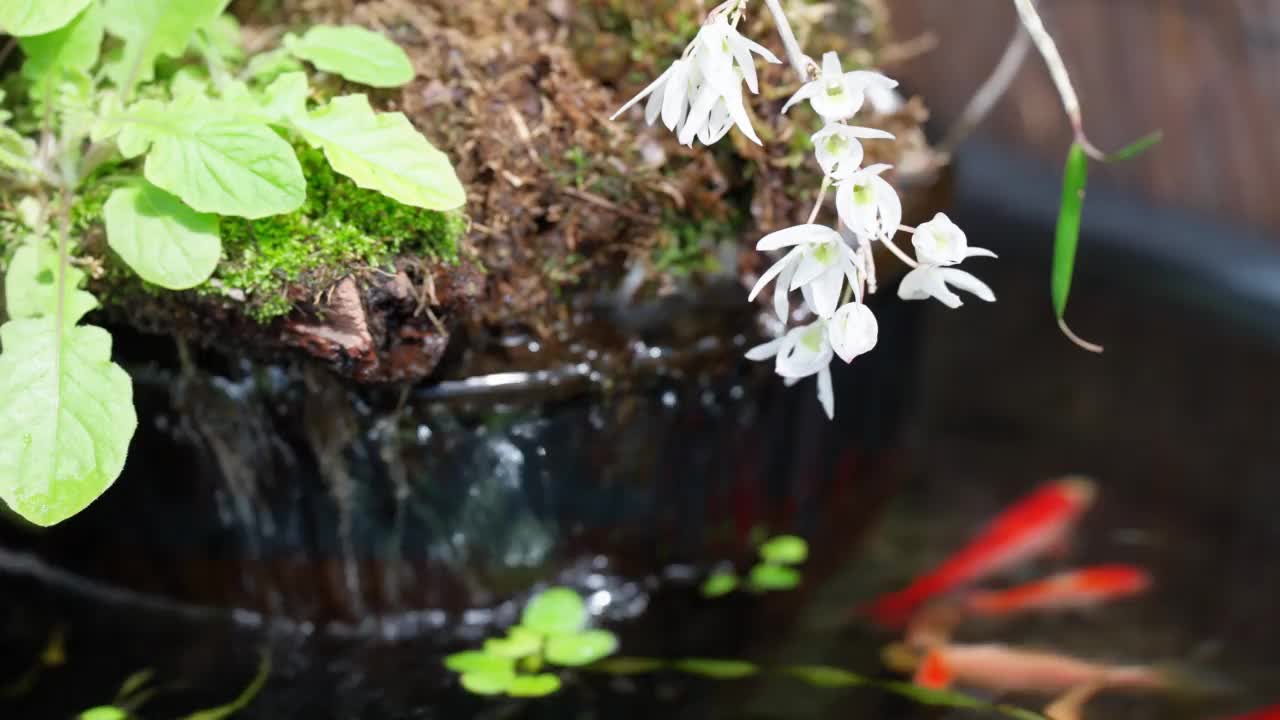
pixel 1137 147
pixel 581 648
pixel 22 18
pixel 164 241
pixel 557 611
pixel 16 151
pixel 286 97
pixel 151 28
pixel 135 684
pixel 1067 237
pixel 519 642
pixel 488 683
pixel 719 584
pixel 718 669
pixel 66 418
pixel 105 712
pixel 382 152
pixel 73 47
pixel 629 665
pixel 824 676
pixel 242 700
pixel 222 35
pixel 475 661
pixel 533 685
pixel 215 165
pixel 785 550
pixel 357 54
pixel 766 576
pixel 267 66
pixel 31 287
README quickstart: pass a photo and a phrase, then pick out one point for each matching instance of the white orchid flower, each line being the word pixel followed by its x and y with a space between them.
pixel 838 148
pixel 942 242
pixel 720 39
pixel 868 204
pixel 931 281
pixel 836 94
pixel 719 105
pixel 668 95
pixel 818 265
pixel 803 351
pixel 853 331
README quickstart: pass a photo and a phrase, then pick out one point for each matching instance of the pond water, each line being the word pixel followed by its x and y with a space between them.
pixel 631 500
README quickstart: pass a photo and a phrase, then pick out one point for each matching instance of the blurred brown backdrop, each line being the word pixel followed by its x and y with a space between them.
pixel 1206 72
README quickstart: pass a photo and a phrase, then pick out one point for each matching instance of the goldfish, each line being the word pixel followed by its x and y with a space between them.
pixel 1081 588
pixel 1004 669
pixel 1031 526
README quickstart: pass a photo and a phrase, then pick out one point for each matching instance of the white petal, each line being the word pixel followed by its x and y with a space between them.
pixel 765 351
pixel 653 108
pixel 853 331
pixel 797 359
pixel 771 273
pixel 795 235
pixel 826 291
pixel 653 86
pixel 926 282
pixel 889 204
pixel 746 63
pixel 840 106
pixel 699 114
pixel 967 282
pixel 805 92
pixel 859 217
pixel 831 69
pixel 676 98
pixel 781 307
pixel 761 50
pixel 863 79
pixel 826 394
pixel 877 169
pixel 868 133
pixel 739 114
pixel 979 252
pixel 790 382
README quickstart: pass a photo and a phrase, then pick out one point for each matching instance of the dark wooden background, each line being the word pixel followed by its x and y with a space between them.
pixel 1206 72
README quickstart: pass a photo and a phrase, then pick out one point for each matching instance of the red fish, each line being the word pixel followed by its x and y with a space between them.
pixel 1028 528
pixel 1004 669
pixel 1082 588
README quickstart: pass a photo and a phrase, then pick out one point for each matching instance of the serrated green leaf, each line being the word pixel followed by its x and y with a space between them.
pixel 222 35
pixel 66 418
pixel 719 584
pixel 267 66
pixel 718 669
pixel 382 152
pixel 214 164
pixel 104 712
pixel 355 53
pixel 16 151
pixel 164 241
pixel 73 47
pixel 286 97
pixel 581 648
pixel 530 686
pixel 1067 237
pixel 767 576
pixel 557 611
pixel 151 28
pixel 785 550
pixel 476 661
pixel 1137 147
pixel 487 683
pixel 31 287
pixel 22 18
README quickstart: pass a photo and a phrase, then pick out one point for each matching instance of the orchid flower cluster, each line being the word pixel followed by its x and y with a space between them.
pixel 701 97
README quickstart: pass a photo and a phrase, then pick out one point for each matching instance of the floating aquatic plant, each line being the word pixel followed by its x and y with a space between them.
pixel 773 572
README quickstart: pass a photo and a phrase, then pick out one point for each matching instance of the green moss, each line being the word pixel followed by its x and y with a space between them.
pixel 688 246
pixel 341 227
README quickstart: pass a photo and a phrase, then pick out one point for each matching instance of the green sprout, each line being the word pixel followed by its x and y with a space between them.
pixel 553 631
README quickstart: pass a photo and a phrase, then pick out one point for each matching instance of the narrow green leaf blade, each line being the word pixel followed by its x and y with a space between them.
pixel 22 18
pixel 1137 147
pixel 382 152
pixel 66 418
pixel 714 668
pixel 164 241
pixel 242 700
pixel 104 712
pixel 1067 237
pixel 355 53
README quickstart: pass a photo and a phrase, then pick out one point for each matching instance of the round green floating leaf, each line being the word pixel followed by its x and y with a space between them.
pixel 476 661
pixel 533 685
pixel 487 683
pixel 825 676
pixel 785 550
pixel 520 642
pixel 719 584
pixel 557 611
pixel 774 577
pixel 105 712
pixel 581 648
pixel 718 669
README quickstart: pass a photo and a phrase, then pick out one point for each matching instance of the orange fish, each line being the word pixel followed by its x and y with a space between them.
pixel 1028 528
pixel 1082 588
pixel 1003 669
pixel 1271 713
